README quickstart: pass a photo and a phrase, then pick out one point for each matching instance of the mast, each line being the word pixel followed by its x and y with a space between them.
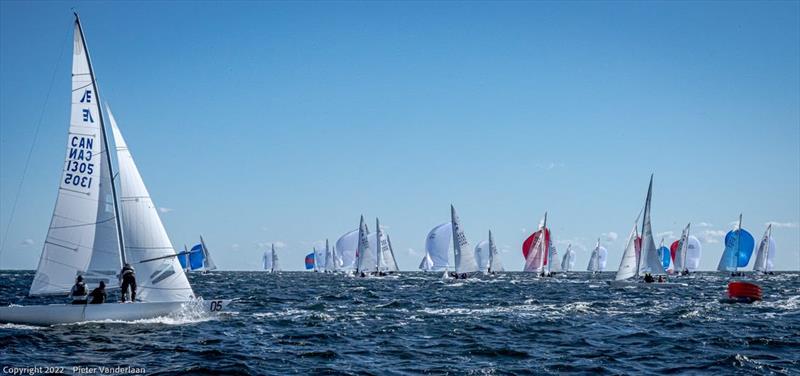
pixel 117 218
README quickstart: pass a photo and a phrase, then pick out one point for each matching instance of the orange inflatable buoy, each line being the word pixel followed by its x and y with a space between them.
pixel 745 292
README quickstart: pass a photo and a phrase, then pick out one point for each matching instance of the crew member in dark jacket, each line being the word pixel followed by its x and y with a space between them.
pixel 78 292
pixel 98 295
pixel 128 280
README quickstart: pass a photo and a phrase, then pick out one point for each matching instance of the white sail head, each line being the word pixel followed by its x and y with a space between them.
pixel 627 265
pixel 82 238
pixel 464 257
pixel 159 276
pixel 437 246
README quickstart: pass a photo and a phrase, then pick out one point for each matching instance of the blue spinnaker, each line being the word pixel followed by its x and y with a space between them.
pixel 665 256
pixel 741 244
pixel 310 261
pixel 196 257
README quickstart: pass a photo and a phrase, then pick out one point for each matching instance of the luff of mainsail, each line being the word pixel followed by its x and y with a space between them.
pixel 84 232
pixel 160 277
pixel 465 260
pixel 648 260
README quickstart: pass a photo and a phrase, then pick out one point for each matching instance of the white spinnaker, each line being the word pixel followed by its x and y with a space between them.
pixel 693 253
pixel 162 279
pixel 346 248
pixel 365 259
pixel 464 257
pixel 648 260
pixel 765 253
pixel 627 265
pixel 482 255
pixel 494 258
pixel 83 233
pixel 602 260
pixel 437 246
pixel 552 259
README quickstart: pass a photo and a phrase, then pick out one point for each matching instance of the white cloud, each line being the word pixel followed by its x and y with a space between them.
pixel 412 252
pixel 610 236
pixel 703 224
pixel 26 243
pixel 278 244
pixel 165 210
pixel 235 245
pixel 711 236
pixel 782 224
pixel 550 165
pixel 576 244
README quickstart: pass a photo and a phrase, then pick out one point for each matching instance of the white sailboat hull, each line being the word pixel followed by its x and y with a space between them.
pixel 53 314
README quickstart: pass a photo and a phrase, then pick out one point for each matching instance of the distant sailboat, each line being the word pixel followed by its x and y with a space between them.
pixel 270 260
pixel 494 260
pixel 568 262
pixel 648 260
pixel 386 262
pixel 437 248
pixel 665 256
pixel 535 249
pixel 766 253
pixel 197 259
pixel 597 260
pixel 93 231
pixel 738 249
pixel 463 255
pixel 552 265
pixel 365 260
pixel 329 260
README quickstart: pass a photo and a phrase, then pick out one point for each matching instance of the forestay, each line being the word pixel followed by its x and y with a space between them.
pixel 159 276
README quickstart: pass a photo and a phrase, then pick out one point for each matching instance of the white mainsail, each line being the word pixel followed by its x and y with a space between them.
pixel 83 237
pixel 384 253
pixel 391 261
pixel 159 275
pixel 648 260
pixel 437 247
pixel 766 252
pixel 628 263
pixel 494 259
pixel 552 259
pixel 463 255
pixel 693 252
pixel 328 258
pixel 266 261
pixel 365 259
pixel 594 259
pixel 275 266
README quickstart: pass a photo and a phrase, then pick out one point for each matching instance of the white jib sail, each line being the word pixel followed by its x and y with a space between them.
pixel 208 262
pixel 437 246
pixel 627 265
pixel 159 277
pixel 464 257
pixel 766 252
pixel 82 236
pixel 648 260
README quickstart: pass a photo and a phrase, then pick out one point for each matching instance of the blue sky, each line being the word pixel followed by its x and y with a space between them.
pixel 259 122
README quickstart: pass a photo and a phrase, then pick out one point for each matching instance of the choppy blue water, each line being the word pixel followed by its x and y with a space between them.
pixel 307 323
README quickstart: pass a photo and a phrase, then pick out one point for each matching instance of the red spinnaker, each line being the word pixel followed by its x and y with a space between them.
pixel 526 245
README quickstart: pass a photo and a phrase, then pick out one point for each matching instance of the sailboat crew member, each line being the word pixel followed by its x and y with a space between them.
pixel 128 280
pixel 99 294
pixel 78 292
